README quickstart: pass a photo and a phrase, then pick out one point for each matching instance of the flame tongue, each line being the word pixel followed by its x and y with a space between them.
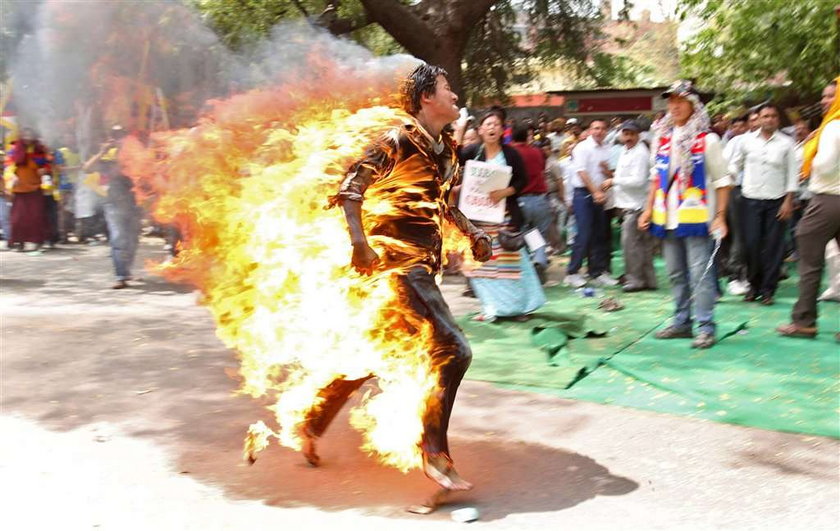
pixel 247 187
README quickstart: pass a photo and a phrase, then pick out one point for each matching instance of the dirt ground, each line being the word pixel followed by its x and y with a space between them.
pixel 119 412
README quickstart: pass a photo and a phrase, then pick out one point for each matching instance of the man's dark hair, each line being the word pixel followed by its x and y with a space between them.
pixel 492 111
pixel 500 112
pixel 520 132
pixel 422 81
pixel 769 105
pixel 739 119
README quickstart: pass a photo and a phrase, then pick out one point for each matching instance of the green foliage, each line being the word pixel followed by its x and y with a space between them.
pixel 509 45
pixel 757 49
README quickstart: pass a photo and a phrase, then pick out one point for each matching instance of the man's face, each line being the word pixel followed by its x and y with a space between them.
pixel 680 109
pixel 828 94
pixel 629 138
pixel 769 120
pixel 598 130
pixel 491 130
pixel 739 128
pixel 442 102
pixel 754 122
pixel 801 130
pixel 471 137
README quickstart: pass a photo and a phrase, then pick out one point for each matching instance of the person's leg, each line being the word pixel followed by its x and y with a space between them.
pixel 5 219
pixel 734 211
pixel 648 272
pixel 133 224
pixel 451 356
pixel 703 288
pixel 65 216
pixel 631 249
pixel 773 250
pixel 118 236
pixel 583 206
pixel 676 264
pixel 599 242
pixel 751 220
pixel 534 210
pixel 820 224
pixel 332 399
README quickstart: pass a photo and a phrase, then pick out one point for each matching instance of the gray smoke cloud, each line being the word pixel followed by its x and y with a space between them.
pixel 82 67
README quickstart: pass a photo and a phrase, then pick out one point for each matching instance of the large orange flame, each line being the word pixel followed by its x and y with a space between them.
pixel 248 187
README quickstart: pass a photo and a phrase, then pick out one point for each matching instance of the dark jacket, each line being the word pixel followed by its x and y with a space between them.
pixel 519 178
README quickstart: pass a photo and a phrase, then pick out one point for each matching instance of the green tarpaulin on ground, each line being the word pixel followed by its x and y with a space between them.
pixel 753 377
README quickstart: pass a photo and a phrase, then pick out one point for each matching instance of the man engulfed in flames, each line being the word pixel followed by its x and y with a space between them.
pixel 410 172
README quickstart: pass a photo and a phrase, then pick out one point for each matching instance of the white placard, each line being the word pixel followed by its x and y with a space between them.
pixel 481 178
pixel 534 240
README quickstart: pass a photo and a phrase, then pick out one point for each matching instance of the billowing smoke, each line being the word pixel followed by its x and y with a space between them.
pixel 149 66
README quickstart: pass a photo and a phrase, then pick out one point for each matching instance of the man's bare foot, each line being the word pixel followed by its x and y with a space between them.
pixel 430 505
pixel 440 470
pixel 308 449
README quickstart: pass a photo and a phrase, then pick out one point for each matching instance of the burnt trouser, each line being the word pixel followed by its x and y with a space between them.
pixel 764 243
pixel 450 355
pixel 819 225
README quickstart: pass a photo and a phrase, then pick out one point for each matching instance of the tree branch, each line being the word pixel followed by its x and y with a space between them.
pixel 401 22
pixel 336 25
pixel 301 8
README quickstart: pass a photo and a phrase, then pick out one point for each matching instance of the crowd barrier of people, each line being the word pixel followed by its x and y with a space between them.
pixel 730 203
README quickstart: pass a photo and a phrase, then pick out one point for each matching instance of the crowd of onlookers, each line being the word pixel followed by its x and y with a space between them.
pixel 730 203
pixel 722 200
pixel 53 196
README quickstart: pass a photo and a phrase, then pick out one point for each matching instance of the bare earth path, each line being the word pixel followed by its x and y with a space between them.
pixel 118 412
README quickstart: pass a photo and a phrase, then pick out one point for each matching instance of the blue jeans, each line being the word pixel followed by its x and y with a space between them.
pixel 590 241
pixel 124 234
pixel 5 218
pixel 686 260
pixel 538 215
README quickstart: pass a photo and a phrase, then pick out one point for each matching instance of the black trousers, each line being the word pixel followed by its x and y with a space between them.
pixel 450 354
pixel 764 243
pixel 731 261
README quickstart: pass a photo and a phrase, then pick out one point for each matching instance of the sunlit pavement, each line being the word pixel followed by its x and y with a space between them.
pixel 119 412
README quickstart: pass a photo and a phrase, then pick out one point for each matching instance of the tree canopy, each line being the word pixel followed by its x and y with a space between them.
pixel 485 45
pixel 761 48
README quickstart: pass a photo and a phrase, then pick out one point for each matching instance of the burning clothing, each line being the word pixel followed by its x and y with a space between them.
pixel 405 179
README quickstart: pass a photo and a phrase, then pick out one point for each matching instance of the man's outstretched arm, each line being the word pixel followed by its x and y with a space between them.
pixel 479 240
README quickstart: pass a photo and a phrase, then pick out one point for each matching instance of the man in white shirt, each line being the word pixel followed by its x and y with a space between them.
pixel 630 187
pixel 686 205
pixel 821 222
pixel 770 182
pixel 591 167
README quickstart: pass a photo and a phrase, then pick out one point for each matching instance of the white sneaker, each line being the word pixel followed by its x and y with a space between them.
pixel 605 280
pixel 829 295
pixel 575 281
pixel 738 287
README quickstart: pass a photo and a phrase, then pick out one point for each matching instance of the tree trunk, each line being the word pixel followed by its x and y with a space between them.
pixel 435 31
